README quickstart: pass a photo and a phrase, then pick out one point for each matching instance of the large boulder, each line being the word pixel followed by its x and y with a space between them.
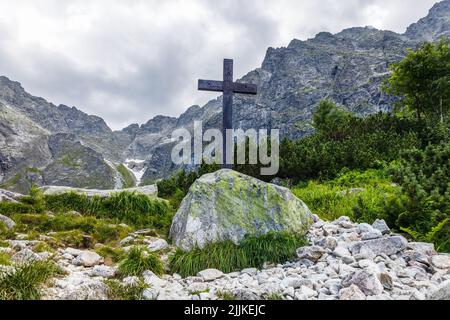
pixel 227 205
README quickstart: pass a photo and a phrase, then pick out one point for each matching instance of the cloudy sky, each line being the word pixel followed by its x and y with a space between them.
pixel 129 60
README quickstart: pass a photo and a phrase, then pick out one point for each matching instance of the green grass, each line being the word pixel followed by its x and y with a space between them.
pixel 23 283
pixel 102 230
pixel 225 295
pixel 111 254
pixel 119 291
pixel 332 199
pixel 127 176
pixel 5 259
pixel 139 260
pixel 132 208
pixel 228 257
pixel 274 296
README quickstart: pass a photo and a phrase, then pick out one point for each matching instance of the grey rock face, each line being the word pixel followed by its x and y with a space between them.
pixel 227 205
pixel 347 67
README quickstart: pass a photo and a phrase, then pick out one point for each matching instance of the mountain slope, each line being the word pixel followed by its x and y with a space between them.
pixel 347 67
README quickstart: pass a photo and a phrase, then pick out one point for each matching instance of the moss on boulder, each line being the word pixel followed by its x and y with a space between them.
pixel 227 205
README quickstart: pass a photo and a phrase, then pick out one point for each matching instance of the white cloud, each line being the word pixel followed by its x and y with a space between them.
pixel 130 60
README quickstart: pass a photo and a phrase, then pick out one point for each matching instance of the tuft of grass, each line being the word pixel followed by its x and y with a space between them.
pixel 139 260
pixel 253 252
pixel 43 247
pixel 111 254
pixel 127 176
pixel 119 291
pixel 274 296
pixel 225 295
pixel 24 281
pixel 73 238
pixel 102 230
pixel 133 208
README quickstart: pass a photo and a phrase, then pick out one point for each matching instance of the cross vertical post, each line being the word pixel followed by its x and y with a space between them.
pixel 228 87
pixel 227 110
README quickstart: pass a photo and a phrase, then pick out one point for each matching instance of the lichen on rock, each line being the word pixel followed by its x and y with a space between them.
pixel 227 205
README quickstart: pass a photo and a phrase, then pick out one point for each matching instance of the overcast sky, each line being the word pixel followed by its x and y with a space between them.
pixel 130 60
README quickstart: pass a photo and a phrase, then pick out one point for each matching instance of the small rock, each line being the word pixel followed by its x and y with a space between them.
pixel 440 261
pixel 348 259
pixel 423 248
pixel 364 228
pixel 150 294
pixel 153 280
pixel 104 272
pixel 8 222
pixel 388 246
pixel 156 244
pixel 130 281
pixel 367 282
pixel 313 253
pixel 386 281
pixel 210 274
pixel 127 241
pixel 73 252
pixel 341 251
pixel 441 292
pixel 250 271
pixel 375 234
pixel 25 256
pixel 381 226
pixel 328 242
pixel 308 292
pixel 87 259
pixel 197 287
pixel 352 293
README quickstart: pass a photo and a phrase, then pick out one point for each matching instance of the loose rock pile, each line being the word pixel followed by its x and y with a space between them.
pixel 345 261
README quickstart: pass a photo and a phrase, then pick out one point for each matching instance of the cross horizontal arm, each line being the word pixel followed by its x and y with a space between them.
pixel 245 88
pixel 210 85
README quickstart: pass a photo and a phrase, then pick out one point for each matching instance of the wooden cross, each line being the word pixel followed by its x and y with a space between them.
pixel 228 87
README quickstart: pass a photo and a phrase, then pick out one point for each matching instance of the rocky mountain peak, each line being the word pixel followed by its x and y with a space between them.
pixel 435 25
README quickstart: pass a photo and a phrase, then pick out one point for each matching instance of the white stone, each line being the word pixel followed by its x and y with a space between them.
pixel 352 293
pixel 210 274
pixel 25 256
pixel 104 271
pixel 156 244
pixel 153 280
pixel 441 261
pixel 87 259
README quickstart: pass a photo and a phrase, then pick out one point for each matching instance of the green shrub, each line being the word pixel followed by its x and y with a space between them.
pixel 23 283
pixel 119 291
pixel 35 199
pixel 424 176
pixel 139 260
pixel 228 257
pixel 362 196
